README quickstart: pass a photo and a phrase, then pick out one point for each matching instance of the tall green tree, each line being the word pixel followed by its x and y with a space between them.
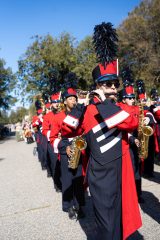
pixel 46 60
pixel 18 115
pixel 32 110
pixel 4 117
pixel 86 61
pixel 7 84
pixel 139 42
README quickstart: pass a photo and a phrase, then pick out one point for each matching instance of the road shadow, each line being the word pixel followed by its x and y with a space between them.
pixel 157 159
pixel 136 236
pixel 155 178
pixel 1 159
pixel 8 137
pixel 151 206
pixel 12 134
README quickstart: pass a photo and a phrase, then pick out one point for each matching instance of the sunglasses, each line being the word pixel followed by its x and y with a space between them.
pixel 110 83
pixel 131 98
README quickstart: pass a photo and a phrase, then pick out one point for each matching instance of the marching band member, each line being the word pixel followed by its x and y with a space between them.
pixel 148 163
pixel 72 180
pixel 37 126
pixel 127 96
pixel 52 159
pixel 47 107
pixel 105 126
pixel 155 109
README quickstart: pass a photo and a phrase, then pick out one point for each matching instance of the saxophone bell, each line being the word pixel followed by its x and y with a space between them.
pixel 78 144
pixel 144 132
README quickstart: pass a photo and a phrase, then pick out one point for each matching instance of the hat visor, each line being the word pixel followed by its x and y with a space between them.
pixel 107 77
pixel 70 95
pixel 129 96
pixel 55 101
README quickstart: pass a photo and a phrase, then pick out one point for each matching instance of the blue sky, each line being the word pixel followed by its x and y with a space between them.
pixel 22 19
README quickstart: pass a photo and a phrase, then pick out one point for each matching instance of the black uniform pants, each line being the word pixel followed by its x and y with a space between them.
pixel 55 166
pixel 72 185
pixel 42 146
pixel 105 188
pixel 136 168
pixel 38 137
pixel 149 161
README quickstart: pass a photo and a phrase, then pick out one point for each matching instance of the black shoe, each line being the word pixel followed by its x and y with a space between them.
pixel 80 214
pixel 72 213
pixel 57 189
pixel 44 168
pixel 148 175
pixel 49 174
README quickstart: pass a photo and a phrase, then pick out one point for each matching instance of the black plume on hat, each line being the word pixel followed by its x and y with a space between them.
pixel 127 78
pixel 139 82
pixel 154 93
pixel 38 104
pixel 53 81
pixel 140 86
pixel 70 80
pixel 70 83
pixel 45 97
pixel 105 42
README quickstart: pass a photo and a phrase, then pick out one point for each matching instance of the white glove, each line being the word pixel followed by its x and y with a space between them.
pixel 156 109
pixel 41 119
pixel 137 142
pixel 146 120
pixel 100 93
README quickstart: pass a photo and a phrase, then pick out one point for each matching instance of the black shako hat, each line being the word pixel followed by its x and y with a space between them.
pixel 105 43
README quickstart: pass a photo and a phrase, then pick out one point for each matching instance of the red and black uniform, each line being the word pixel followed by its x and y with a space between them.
pixel 52 159
pixel 36 124
pixel 46 125
pixel 40 140
pixel 156 113
pixel 110 171
pixel 152 145
pixel 133 149
pixel 72 180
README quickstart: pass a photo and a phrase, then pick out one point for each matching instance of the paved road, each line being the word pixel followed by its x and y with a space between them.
pixel 30 209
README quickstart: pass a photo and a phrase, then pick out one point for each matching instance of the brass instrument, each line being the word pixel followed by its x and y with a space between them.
pixel 27 133
pixel 61 107
pixel 144 132
pixel 78 144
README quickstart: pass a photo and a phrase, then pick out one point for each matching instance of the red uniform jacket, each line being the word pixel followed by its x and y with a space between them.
pixel 47 123
pixel 35 121
pixel 153 124
pixel 156 112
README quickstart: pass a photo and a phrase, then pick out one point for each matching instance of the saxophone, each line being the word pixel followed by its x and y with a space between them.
pixel 144 132
pixel 78 144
